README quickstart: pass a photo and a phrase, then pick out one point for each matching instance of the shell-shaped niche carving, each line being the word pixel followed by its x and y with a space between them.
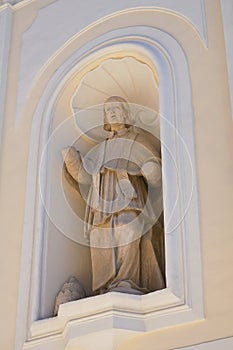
pixel 126 77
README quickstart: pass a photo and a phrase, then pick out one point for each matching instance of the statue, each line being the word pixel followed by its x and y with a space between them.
pixel 71 290
pixel 119 214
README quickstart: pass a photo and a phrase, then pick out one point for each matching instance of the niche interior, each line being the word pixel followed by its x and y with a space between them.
pixel 78 115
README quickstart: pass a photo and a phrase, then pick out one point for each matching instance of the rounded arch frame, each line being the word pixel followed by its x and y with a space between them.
pixel 184 287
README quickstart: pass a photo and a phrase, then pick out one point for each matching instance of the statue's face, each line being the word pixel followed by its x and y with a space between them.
pixel 114 113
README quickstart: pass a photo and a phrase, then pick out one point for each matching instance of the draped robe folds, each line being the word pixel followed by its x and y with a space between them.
pixel 119 214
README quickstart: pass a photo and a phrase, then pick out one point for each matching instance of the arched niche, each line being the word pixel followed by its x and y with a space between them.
pixel 183 295
pixel 138 84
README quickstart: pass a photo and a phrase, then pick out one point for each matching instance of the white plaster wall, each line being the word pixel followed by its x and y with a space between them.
pixel 226 344
pixel 227 16
pixel 5 36
pixel 29 54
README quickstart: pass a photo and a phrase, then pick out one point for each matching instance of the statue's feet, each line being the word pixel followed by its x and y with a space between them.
pixel 127 287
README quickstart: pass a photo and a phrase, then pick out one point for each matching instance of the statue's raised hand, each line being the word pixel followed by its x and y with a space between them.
pixel 73 160
pixel 70 153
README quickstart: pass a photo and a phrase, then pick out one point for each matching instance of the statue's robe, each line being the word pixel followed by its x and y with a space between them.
pixel 122 206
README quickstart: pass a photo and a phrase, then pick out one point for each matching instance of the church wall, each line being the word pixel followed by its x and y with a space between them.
pixel 34 33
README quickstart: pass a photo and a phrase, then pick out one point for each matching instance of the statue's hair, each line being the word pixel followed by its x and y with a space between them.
pixel 125 106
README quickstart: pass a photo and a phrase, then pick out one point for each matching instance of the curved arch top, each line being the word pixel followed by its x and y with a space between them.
pixel 153 17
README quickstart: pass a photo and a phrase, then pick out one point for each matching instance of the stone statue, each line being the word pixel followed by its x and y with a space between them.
pixel 71 290
pixel 121 171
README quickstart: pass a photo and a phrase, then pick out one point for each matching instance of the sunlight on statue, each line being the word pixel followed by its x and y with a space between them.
pixel 124 177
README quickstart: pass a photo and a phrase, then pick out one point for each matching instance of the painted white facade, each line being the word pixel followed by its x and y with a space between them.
pixel 47 48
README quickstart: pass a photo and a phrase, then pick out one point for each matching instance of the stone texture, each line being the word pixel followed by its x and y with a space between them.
pixel 70 291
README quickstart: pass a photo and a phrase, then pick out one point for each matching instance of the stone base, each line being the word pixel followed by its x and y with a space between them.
pixel 128 290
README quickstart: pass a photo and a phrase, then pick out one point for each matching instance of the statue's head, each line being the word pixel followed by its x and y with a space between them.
pixel 116 111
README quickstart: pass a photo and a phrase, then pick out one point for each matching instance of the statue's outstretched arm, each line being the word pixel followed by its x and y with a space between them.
pixel 73 162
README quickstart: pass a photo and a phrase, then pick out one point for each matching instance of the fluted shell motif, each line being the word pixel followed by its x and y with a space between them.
pixel 127 77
